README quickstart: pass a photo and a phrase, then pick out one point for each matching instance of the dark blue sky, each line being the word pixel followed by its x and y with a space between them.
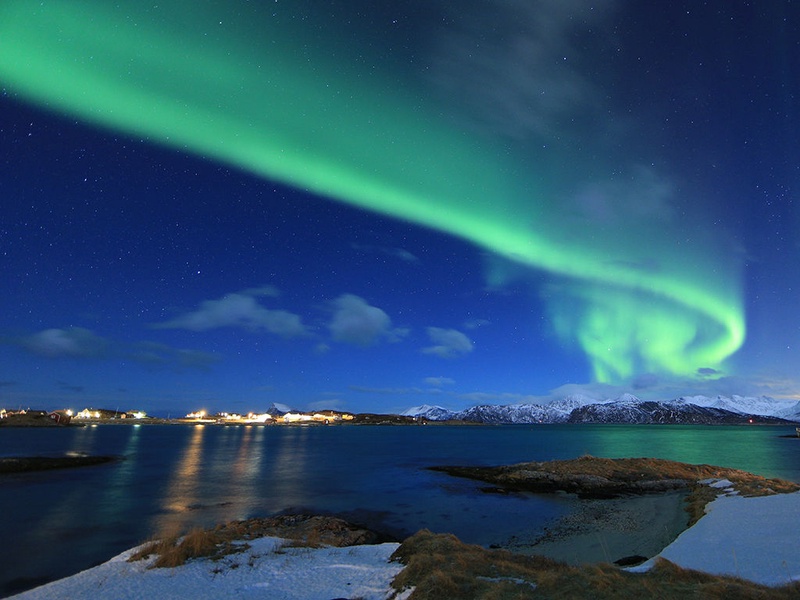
pixel 165 274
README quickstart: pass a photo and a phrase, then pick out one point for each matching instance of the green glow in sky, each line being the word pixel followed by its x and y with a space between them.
pixel 299 107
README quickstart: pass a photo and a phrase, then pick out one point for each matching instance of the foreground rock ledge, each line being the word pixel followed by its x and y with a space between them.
pixel 592 477
pixel 24 464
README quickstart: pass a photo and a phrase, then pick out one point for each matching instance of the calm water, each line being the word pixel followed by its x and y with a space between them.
pixel 57 523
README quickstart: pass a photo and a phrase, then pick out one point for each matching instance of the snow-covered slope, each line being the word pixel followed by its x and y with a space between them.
pixel 277 409
pixel 511 413
pixel 426 411
pixel 626 408
pixel 753 405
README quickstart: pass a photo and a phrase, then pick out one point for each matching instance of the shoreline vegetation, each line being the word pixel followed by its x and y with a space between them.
pixel 438 565
pixel 591 477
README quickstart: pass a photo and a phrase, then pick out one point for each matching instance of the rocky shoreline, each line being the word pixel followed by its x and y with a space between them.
pixel 233 559
pixel 25 464
pixel 592 477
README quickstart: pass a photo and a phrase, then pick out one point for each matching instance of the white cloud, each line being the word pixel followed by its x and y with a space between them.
pixel 448 343
pixel 332 404
pixel 357 322
pixel 476 323
pixel 439 381
pixel 517 67
pixel 498 398
pixel 385 391
pixel 72 342
pixel 394 252
pixel 239 310
pixel 77 342
pixel 264 290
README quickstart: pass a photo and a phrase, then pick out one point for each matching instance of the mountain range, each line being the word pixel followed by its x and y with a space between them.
pixel 626 408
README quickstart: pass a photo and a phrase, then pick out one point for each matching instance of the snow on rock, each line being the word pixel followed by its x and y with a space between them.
pixel 626 408
pixel 266 570
pixel 432 413
pixel 511 413
pixel 752 538
pixel 278 409
pixel 749 405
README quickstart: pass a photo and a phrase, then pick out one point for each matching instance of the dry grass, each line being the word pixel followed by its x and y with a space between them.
pixel 589 476
pixel 442 567
pixel 631 471
pixel 173 551
pixel 299 531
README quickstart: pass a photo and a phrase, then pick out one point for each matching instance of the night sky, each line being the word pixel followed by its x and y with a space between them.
pixel 367 205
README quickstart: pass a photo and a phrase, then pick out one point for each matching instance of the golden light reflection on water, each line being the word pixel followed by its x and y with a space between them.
pixel 288 477
pixel 247 466
pixel 182 490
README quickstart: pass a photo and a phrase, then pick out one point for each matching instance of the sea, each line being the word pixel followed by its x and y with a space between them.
pixel 176 477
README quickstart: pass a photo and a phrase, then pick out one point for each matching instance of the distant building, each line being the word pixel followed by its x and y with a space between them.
pixel 100 413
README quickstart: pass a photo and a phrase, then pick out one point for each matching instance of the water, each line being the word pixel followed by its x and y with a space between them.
pixel 177 477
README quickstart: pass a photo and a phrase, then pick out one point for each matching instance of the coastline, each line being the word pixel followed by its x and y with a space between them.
pixel 623 531
pixel 742 543
pixel 439 565
pixel 392 486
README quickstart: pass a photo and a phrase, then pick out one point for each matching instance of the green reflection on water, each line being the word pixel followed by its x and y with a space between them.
pixel 759 449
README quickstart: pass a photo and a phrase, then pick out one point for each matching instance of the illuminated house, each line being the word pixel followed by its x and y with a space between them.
pixel 258 418
pixel 87 413
pixel 100 413
pixel 296 418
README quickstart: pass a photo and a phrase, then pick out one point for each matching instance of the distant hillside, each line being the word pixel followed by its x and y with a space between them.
pixel 625 409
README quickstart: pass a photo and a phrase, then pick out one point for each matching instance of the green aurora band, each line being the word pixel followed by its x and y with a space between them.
pixel 293 106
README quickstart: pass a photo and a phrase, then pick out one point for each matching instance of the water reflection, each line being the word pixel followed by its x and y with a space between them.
pixel 183 490
pixel 244 473
pixel 741 447
pixel 287 480
pixel 117 494
pixel 83 441
pixel 178 477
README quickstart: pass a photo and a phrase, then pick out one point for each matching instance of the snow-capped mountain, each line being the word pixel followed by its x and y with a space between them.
pixel 278 410
pixel 758 405
pixel 426 411
pixel 627 408
pixel 511 413
pixel 649 411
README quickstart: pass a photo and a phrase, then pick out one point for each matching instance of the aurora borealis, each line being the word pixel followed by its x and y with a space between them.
pixel 522 131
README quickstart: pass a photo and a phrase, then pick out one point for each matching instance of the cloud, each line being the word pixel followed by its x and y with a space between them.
pixel 356 322
pixel 385 391
pixel 332 404
pixel 239 310
pixel 517 68
pixel 708 372
pixel 447 343
pixel 264 290
pixel 68 387
pixel 642 196
pixel 476 323
pixel 72 342
pixel 155 354
pixel 77 342
pixel 645 381
pixel 595 391
pixel 439 381
pixel 498 398
pixel 400 253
